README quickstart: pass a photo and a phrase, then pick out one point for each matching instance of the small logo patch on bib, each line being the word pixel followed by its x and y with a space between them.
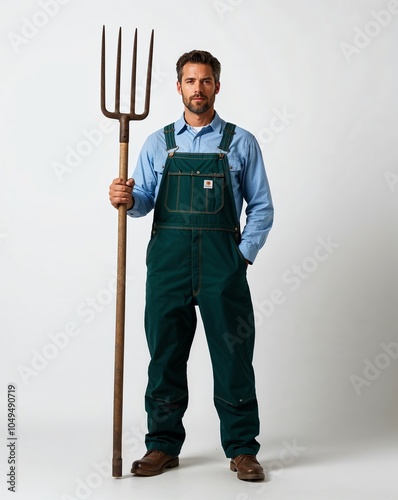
pixel 208 184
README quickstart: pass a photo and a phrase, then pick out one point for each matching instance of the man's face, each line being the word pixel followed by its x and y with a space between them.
pixel 198 88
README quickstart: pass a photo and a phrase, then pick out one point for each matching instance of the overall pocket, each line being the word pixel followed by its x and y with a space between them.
pixel 195 192
pixel 151 243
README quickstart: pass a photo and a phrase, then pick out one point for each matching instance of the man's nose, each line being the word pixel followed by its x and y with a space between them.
pixel 198 88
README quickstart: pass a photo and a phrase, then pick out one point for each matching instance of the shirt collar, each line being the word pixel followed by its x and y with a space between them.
pixel 181 125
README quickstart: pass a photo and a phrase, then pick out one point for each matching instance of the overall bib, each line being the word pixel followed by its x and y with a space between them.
pixel 193 259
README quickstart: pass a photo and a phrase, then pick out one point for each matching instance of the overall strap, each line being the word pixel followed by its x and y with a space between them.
pixel 227 137
pixel 169 136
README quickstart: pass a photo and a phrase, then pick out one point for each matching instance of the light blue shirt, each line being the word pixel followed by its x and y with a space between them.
pixel 248 177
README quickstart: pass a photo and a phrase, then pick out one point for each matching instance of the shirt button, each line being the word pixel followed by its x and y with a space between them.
pixel 197 172
pixel 241 401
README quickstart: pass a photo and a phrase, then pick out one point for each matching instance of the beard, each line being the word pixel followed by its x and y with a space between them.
pixel 199 108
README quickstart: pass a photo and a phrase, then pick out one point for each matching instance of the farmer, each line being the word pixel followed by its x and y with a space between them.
pixel 196 173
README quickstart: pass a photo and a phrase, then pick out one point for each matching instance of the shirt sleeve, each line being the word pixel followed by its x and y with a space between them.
pixel 259 210
pixel 146 180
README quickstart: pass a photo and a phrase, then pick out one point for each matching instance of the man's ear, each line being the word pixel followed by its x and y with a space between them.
pixel 217 88
pixel 179 87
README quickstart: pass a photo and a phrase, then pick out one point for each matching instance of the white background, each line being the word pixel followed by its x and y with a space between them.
pixel 327 387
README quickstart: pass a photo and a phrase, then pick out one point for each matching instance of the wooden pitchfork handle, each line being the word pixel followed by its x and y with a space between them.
pixel 124 119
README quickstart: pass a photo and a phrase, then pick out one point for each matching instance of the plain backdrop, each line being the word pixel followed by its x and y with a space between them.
pixel 315 81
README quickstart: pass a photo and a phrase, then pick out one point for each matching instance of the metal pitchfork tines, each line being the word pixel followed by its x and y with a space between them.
pixel 124 119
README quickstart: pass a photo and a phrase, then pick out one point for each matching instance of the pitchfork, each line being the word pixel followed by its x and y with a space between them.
pixel 124 119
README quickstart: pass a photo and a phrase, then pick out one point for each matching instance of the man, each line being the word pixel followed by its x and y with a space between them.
pixel 196 173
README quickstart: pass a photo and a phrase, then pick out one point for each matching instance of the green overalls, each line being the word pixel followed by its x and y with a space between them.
pixel 193 259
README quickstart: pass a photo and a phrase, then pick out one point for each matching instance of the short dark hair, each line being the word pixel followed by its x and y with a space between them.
pixel 199 57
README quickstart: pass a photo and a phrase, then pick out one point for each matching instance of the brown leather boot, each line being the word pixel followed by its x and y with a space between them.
pixel 153 463
pixel 247 467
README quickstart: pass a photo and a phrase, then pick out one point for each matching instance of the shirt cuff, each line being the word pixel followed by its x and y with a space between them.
pixel 248 250
pixel 135 209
